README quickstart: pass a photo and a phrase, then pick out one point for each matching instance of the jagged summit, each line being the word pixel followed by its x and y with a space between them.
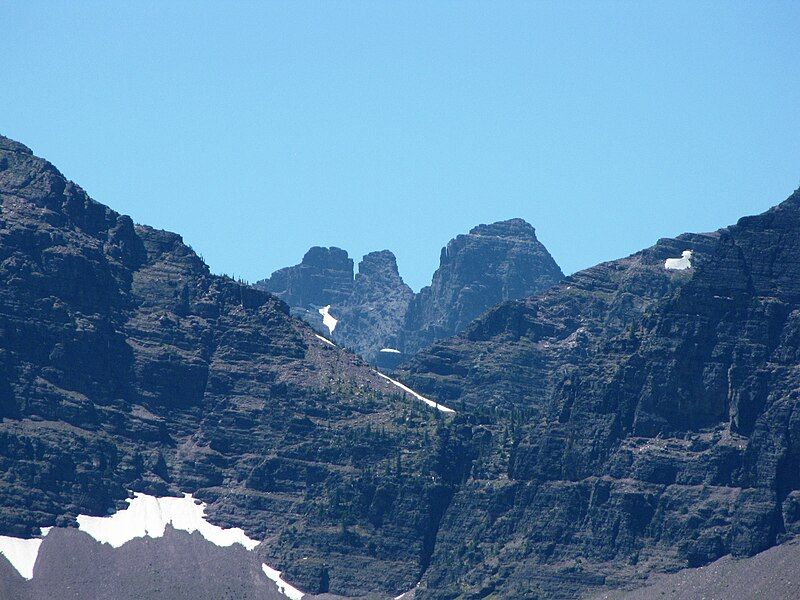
pixel 513 228
pixel 377 314
pixel 323 277
pixel 381 263
pixel 372 317
pixel 493 263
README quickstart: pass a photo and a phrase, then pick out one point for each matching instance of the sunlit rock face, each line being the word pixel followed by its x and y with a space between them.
pixel 363 313
pixel 373 316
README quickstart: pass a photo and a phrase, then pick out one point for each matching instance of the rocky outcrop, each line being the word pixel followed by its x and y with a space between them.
pixel 371 318
pixel 383 321
pixel 324 278
pixel 489 265
pixel 640 416
pixel 126 365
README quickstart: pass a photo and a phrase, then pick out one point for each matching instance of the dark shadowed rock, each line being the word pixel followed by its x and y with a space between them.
pixel 126 365
pixel 325 276
pixel 633 418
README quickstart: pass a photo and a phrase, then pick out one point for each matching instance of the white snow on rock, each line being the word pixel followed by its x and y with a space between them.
pixel 390 350
pixel 416 395
pixel 149 516
pixel 324 339
pixel 327 318
pixel 679 264
pixel 145 516
pixel 21 553
pixel 284 588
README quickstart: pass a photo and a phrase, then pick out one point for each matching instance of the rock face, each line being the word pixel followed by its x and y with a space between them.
pixel 126 365
pixel 367 311
pixel 490 264
pixel 640 416
pixel 632 419
pixel 378 315
pixel 372 317
pixel 323 278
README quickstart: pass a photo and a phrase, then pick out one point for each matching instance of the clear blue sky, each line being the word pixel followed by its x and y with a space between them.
pixel 257 130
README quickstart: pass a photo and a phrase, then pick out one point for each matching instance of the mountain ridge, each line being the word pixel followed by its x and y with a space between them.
pixel 635 418
pixel 125 365
pixel 649 417
pixel 493 262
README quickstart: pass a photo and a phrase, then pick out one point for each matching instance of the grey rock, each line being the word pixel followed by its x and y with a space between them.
pixel 489 265
pixel 126 365
pixel 636 419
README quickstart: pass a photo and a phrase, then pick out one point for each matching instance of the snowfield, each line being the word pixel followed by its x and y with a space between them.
pixel 283 587
pixel 149 516
pixel 327 318
pixel 679 264
pixel 145 516
pixel 21 553
pixel 324 339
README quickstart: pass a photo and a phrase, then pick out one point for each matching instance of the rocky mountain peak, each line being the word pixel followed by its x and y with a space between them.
pixel 493 263
pixel 382 263
pixel 512 228
pixel 371 318
pixel 324 276
pixel 328 258
pixel 377 312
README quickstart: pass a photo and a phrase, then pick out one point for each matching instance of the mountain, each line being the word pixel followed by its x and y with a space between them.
pixel 640 416
pixel 490 264
pixel 371 319
pixel 378 316
pixel 637 418
pixel 126 366
pixel 323 278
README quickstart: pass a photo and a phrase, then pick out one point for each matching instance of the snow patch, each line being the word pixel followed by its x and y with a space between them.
pixel 148 516
pixel 435 405
pixel 391 350
pixel 284 588
pixel 327 318
pixel 679 264
pixel 21 553
pixel 324 339
pixel 145 516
